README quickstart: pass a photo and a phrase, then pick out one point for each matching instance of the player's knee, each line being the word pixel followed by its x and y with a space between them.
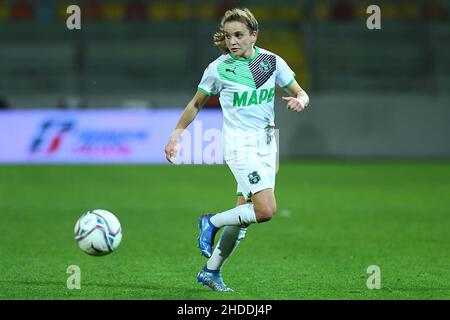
pixel 265 213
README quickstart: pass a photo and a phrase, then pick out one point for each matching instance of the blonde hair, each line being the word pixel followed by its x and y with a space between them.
pixel 237 14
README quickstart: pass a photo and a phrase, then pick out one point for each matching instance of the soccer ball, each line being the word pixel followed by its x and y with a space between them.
pixel 98 232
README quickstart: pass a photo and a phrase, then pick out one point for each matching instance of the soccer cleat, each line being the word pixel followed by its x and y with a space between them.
pixel 212 279
pixel 207 233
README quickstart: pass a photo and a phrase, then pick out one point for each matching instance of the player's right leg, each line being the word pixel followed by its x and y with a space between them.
pixel 209 224
pixel 241 216
pixel 230 238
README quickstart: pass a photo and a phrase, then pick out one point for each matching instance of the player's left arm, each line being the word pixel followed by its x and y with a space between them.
pixel 298 99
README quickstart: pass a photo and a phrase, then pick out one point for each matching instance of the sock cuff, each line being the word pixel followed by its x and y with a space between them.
pixel 212 225
pixel 205 268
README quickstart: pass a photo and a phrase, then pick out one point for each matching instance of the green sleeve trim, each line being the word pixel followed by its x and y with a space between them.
pixel 239 194
pixel 204 91
pixel 290 82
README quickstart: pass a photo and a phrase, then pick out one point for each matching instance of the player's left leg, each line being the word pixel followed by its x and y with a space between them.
pixel 264 207
pixel 240 216
pixel 256 177
pixel 256 180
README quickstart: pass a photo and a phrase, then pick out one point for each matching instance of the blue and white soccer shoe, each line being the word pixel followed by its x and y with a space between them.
pixel 207 234
pixel 212 279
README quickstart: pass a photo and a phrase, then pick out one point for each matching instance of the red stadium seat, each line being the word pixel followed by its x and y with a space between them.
pixel 437 11
pixel 343 10
pixel 136 11
pixel 22 10
pixel 92 11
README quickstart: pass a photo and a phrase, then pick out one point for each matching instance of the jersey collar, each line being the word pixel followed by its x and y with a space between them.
pixel 246 60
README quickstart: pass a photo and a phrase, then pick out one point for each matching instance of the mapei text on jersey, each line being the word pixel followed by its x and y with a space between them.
pixel 248 98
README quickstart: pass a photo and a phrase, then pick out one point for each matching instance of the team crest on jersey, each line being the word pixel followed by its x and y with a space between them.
pixel 254 177
pixel 265 66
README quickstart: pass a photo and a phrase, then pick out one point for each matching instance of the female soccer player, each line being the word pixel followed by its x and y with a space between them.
pixel 244 77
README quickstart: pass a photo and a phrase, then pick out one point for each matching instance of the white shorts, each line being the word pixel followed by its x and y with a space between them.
pixel 254 171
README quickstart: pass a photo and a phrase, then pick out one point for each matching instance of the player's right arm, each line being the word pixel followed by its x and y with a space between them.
pixel 189 114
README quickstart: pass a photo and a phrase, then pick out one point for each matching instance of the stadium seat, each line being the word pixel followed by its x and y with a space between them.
pixel 360 11
pixel 45 11
pixel 437 11
pixel 342 10
pixel 61 11
pixel 205 12
pixel 92 11
pixel 263 12
pixel 411 12
pixel 391 12
pixel 289 45
pixel 223 7
pixel 5 12
pixel 322 11
pixel 159 11
pixel 22 11
pixel 136 11
pixel 36 66
pixel 181 11
pixel 113 12
pixel 289 13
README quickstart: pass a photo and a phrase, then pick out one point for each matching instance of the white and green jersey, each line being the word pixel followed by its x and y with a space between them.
pixel 246 89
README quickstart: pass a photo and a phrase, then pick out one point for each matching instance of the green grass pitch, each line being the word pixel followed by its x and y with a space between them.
pixel 334 220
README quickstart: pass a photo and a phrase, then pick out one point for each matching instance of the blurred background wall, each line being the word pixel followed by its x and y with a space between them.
pixel 374 93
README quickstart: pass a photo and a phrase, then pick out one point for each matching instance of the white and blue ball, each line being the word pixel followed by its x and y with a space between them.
pixel 98 232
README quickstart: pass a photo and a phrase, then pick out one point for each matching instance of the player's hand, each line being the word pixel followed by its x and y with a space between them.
pixel 296 104
pixel 171 150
